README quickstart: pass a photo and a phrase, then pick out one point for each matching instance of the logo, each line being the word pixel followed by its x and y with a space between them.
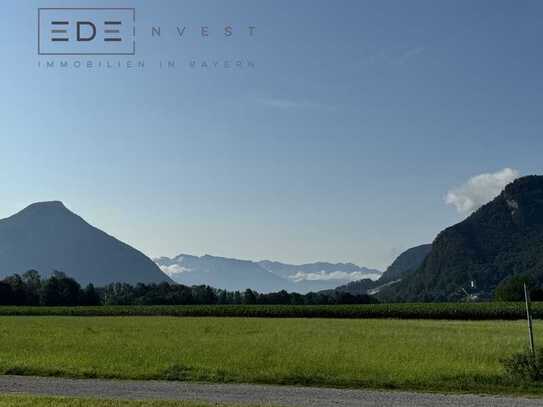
pixel 86 31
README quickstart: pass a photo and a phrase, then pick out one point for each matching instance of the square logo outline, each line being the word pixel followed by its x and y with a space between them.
pixel 88 53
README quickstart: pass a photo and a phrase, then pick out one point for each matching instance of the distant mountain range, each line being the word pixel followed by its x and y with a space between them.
pixel 320 275
pixel 219 272
pixel 468 260
pixel 501 239
pixel 263 276
pixel 46 236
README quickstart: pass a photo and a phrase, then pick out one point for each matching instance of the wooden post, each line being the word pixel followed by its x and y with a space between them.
pixel 529 317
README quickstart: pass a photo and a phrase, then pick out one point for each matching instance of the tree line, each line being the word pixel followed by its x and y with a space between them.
pixel 178 294
pixel 61 290
pixel 58 289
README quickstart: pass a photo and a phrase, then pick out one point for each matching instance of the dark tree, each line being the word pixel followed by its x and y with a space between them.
pixel 249 297
pixel 33 284
pixel 60 290
pixel 6 294
pixel 512 288
pixel 90 296
pixel 18 289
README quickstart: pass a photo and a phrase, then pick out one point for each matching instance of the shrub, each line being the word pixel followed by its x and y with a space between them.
pixel 525 366
pixel 512 288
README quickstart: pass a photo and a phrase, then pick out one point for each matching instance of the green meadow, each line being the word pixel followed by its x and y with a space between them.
pixel 432 355
pixel 29 401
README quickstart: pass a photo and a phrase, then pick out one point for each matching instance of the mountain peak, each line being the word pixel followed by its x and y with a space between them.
pixel 525 183
pixel 47 205
pixel 44 210
pixel 47 236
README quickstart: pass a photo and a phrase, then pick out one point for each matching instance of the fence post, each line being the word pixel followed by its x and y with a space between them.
pixel 529 317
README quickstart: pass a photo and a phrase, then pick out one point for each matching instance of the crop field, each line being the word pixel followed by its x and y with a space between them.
pixel 448 311
pixel 377 353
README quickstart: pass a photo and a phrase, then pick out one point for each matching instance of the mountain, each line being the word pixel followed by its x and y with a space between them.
pixel 501 239
pixel 359 287
pixel 405 263
pixel 221 272
pixel 321 275
pixel 263 276
pixel 46 236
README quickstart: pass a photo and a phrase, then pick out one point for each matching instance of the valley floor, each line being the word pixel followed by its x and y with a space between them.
pixel 421 355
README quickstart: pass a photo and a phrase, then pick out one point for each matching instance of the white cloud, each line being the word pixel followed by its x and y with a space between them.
pixel 174 269
pixel 334 275
pixel 479 190
pixel 410 53
pixel 289 104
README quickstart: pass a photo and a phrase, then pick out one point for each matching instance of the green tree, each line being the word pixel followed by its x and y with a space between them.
pixel 59 289
pixel 512 288
pixel 33 283
pixel 18 289
pixel 249 297
pixel 90 296
pixel 6 294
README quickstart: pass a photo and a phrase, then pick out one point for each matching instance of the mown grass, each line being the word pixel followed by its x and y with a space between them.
pixel 32 401
pixel 393 354
pixel 449 311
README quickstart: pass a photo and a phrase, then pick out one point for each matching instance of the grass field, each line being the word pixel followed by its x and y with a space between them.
pixel 401 354
pixel 28 401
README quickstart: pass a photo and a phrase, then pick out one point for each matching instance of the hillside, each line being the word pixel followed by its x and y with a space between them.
pixel 502 238
pixel 405 263
pixel 46 236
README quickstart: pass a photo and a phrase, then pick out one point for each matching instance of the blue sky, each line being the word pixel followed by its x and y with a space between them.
pixel 340 145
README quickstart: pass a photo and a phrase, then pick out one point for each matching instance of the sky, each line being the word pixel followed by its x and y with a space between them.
pixel 363 128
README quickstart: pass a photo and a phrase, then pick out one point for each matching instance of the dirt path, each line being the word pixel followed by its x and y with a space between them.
pixel 246 393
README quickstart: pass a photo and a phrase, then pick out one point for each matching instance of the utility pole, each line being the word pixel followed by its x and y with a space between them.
pixel 529 317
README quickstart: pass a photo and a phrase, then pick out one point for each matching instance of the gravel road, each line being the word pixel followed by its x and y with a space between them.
pixel 246 393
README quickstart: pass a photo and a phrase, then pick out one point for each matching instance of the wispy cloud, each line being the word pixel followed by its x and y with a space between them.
pixel 290 104
pixel 410 53
pixel 392 56
pixel 174 269
pixel 334 275
pixel 479 190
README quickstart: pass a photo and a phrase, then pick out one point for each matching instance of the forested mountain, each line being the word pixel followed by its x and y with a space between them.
pixel 501 239
pixel 358 287
pixel 405 263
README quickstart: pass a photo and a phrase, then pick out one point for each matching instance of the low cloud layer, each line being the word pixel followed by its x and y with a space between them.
pixel 335 275
pixel 479 190
pixel 290 104
pixel 174 269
